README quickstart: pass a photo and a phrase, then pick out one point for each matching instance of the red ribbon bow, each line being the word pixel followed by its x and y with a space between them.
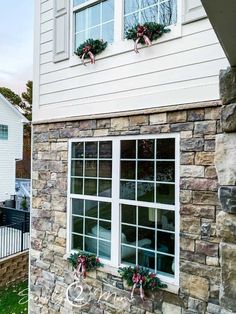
pixel 81 267
pixel 141 30
pixel 138 280
pixel 87 50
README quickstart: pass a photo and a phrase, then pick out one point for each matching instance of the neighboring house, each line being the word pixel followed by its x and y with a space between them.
pixel 123 155
pixel 11 146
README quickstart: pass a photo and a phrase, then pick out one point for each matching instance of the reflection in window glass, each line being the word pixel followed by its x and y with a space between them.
pixel 143 11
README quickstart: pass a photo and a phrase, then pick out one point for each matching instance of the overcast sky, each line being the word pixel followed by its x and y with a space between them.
pixel 16 43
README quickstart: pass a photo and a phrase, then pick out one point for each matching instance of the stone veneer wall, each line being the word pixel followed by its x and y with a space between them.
pixel 14 268
pixel 199 245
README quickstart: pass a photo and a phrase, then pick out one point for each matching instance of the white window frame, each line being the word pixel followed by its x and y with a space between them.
pixel 120 45
pixel 116 201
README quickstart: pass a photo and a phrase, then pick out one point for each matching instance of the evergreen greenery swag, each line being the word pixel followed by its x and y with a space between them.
pixel 149 280
pixel 89 261
pixel 95 46
pixel 151 29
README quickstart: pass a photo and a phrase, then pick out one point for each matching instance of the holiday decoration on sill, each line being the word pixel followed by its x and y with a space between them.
pixel 83 263
pixel 145 33
pixel 89 49
pixel 141 278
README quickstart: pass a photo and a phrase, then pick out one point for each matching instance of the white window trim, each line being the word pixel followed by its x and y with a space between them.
pixel 120 45
pixel 115 199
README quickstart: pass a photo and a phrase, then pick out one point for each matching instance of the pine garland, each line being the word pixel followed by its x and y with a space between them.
pixel 152 30
pixel 92 262
pixel 96 47
pixel 149 280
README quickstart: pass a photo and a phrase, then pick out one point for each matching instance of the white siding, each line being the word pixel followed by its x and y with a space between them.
pixel 10 150
pixel 177 71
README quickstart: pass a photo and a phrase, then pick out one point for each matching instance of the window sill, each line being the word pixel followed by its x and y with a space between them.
pixel 125 46
pixel 108 269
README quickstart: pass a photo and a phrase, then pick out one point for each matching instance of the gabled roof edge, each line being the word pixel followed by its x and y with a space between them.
pixel 17 112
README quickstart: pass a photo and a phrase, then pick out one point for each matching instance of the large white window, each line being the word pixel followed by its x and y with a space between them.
pixel 3 132
pixel 123 199
pixel 94 20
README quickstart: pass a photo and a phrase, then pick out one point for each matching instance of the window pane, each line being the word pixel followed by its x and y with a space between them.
pixel 90 187
pixel 128 214
pixel 128 169
pixel 79 39
pixel 165 264
pixel 80 21
pixel 145 192
pixel 108 32
pixel 128 255
pixel 90 168
pixel 147 3
pixel 149 15
pixel 76 186
pixel 146 170
pixel 105 149
pixel 91 149
pixel 131 6
pixel 78 2
pixel 105 210
pixel 165 171
pixel 105 169
pixel 104 230
pixel 77 207
pixel 77 242
pixel 104 249
pixel 165 242
pixel 131 20
pixel 146 259
pixel 128 235
pixel 91 227
pixel 165 219
pixel 94 32
pixel 77 225
pixel 128 149
pixel 3 132
pixel 145 149
pixel 91 208
pixel 168 12
pixel 78 150
pixel 166 148
pixel 105 188
pixel 94 15
pixel 127 190
pixel 77 168
pixel 91 245
pixel 107 10
pixel 143 236
pixel 146 217
pixel 165 193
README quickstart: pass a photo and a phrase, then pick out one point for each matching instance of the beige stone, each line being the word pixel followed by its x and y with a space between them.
pixel 212 113
pixel 187 244
pixel 192 171
pixel 212 261
pixel 204 158
pixel 190 224
pixel 226 227
pixel 186 134
pixel 138 120
pixel 186 196
pixel 177 116
pixel 158 118
pixel 168 308
pixel 101 132
pixel 225 160
pixel 120 123
pixel 197 287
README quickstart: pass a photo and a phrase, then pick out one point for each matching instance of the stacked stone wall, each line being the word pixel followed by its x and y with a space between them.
pixel 14 268
pixel 200 269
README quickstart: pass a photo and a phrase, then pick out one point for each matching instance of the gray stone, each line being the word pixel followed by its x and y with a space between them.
pixel 196 115
pixel 225 160
pixel 227 196
pixel 228 85
pixel 192 144
pixel 196 305
pixel 205 230
pixel 228 118
pixel 205 127
pixel 228 275
pixel 178 127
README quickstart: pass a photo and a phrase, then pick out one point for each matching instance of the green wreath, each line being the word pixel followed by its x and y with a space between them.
pixel 90 48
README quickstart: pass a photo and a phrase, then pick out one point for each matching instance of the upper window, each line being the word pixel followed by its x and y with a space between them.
pixel 141 11
pixel 3 132
pixel 123 201
pixel 94 21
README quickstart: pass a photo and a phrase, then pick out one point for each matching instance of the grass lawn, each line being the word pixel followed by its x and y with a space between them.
pixel 14 298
